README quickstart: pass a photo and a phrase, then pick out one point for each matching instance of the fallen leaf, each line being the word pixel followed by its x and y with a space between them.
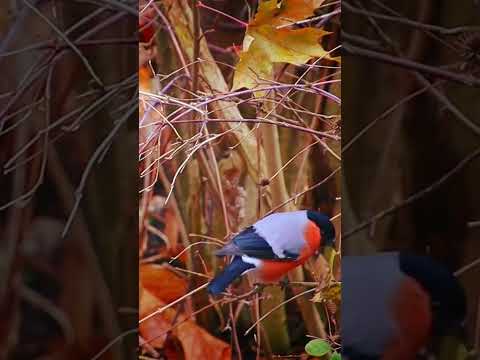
pixel 155 329
pixel 196 342
pixel 162 282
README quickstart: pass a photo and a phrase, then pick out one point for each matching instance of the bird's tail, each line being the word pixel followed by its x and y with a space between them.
pixel 236 268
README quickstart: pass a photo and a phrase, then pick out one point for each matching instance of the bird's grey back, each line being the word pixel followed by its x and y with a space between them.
pixel 284 231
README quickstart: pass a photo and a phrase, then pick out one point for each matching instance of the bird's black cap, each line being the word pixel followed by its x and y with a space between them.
pixel 325 225
pixel 447 296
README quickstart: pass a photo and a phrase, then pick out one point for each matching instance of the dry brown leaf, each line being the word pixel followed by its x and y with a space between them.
pixel 162 282
pixel 197 343
pixel 154 330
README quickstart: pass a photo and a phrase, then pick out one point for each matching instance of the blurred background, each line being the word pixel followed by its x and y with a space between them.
pixel 68 205
pixel 411 158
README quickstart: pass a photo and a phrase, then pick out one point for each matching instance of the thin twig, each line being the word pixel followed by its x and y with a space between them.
pixel 67 40
pixel 173 303
pixel 412 23
pixel 293 198
pixel 468 80
pixel 104 146
pixel 418 195
pixel 277 307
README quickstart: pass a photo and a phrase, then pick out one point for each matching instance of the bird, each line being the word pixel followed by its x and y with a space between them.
pixel 394 303
pixel 273 246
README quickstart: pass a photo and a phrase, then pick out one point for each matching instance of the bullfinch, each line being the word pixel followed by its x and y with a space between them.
pixel 273 246
pixel 394 303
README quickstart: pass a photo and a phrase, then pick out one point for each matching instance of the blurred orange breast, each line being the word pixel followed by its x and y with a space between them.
pixel 272 270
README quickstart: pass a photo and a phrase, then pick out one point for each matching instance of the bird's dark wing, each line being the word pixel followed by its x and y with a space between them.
pixel 249 243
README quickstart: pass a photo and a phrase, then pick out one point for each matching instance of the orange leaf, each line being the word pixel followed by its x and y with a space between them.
pixel 162 282
pixel 155 329
pixel 288 11
pixel 197 343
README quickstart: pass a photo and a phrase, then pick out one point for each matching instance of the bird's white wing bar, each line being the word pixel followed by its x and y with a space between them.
pixel 250 260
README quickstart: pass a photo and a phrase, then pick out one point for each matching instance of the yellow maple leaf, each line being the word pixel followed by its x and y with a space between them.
pixel 265 43
pixel 332 292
